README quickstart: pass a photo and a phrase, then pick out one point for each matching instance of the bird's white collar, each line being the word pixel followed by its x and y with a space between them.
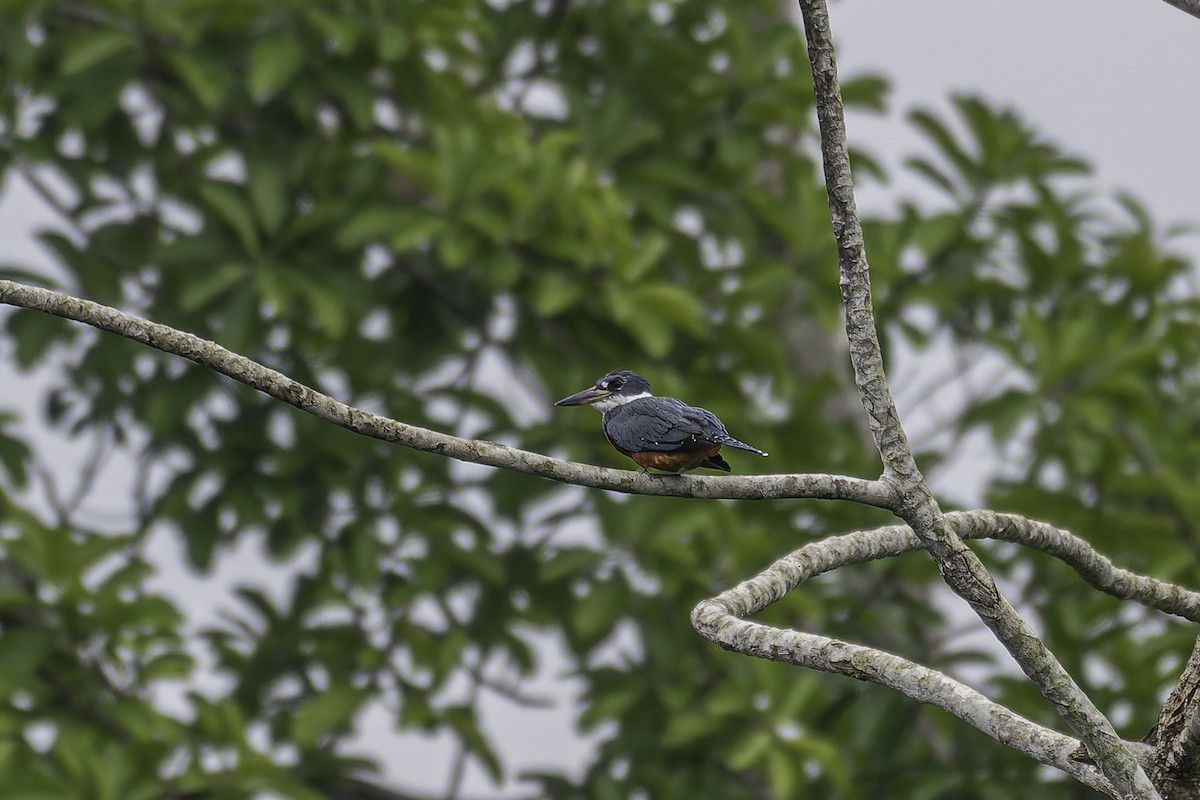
pixel 606 404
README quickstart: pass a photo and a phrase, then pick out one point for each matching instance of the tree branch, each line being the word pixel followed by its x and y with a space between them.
pixel 493 454
pixel 718 621
pixel 1186 6
pixel 1095 569
pixel 1176 735
pixel 960 568
pixel 826 555
pixel 721 620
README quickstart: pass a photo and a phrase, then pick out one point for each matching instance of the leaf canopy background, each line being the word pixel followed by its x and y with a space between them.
pixel 453 213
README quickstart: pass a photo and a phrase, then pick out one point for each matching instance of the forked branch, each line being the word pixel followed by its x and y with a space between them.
pixel 961 569
pixel 721 620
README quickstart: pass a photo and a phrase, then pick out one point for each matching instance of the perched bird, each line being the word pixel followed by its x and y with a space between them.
pixel 660 432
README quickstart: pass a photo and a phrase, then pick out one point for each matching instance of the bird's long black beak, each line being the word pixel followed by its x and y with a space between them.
pixel 586 397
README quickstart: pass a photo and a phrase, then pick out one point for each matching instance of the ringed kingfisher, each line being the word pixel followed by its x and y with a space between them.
pixel 660 432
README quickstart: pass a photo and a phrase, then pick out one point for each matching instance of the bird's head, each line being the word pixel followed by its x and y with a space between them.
pixel 614 389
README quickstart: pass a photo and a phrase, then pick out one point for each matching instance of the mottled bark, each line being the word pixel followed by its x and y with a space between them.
pixel 1175 766
pixel 962 571
pixel 281 387
pixel 722 620
pixel 1186 6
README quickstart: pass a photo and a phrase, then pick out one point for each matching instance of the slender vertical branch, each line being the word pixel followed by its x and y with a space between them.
pixel 1186 6
pixel 962 570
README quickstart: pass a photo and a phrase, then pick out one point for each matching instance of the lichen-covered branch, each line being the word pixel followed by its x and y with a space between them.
pixel 1095 569
pixel 860 547
pixel 718 621
pixel 1176 735
pixel 722 621
pixel 305 398
pixel 962 571
pixel 1186 6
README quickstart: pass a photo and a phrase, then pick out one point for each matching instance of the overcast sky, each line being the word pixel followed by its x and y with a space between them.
pixel 1113 80
pixel 1117 81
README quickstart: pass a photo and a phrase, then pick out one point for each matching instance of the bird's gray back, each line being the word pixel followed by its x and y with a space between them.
pixel 663 424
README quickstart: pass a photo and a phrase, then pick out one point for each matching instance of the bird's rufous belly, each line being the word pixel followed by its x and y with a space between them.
pixel 677 461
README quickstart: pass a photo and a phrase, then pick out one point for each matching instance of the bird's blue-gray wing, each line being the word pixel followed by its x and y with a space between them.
pixel 663 424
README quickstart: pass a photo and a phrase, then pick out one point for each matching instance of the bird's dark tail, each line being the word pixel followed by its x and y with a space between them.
pixel 716 462
pixel 729 441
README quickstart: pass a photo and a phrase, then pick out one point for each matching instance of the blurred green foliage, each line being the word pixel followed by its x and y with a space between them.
pixel 452 212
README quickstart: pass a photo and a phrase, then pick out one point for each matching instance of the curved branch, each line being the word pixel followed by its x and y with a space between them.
pixel 961 569
pixel 1093 567
pixel 718 621
pixel 721 620
pixel 826 555
pixel 493 454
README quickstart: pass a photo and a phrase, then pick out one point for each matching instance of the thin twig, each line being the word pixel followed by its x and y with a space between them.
pixel 458 771
pixel 92 464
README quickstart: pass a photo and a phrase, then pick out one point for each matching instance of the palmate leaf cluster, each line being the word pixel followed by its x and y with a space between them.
pixel 451 213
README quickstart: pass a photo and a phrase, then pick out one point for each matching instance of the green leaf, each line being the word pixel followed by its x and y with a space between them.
pixel 353 94
pixel 326 713
pixel 933 174
pixel 14 597
pixel 94 47
pixel 403 228
pixel 651 312
pixel 268 192
pixel 750 749
pixel 35 332
pixel 201 532
pixel 479 562
pixel 456 250
pixel 415 228
pixel 491 223
pixel 464 723
pixel 22 652
pixel 866 91
pixel 673 303
pixel 554 293
pixel 328 307
pixel 231 208
pixel 689 727
pixel 782 772
pixel 14 458
pixel 941 136
pixel 199 292
pixel 393 42
pixel 368 225
pixel 647 254
pixel 167 665
pixel 569 562
pixel 207 78
pixel 363 562
pixel 594 615
pixel 274 60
